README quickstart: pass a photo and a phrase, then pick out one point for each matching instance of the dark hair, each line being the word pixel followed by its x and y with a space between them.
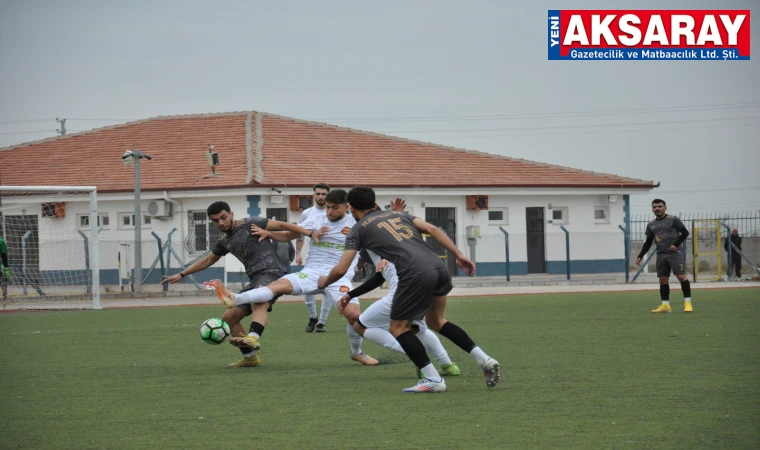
pixel 216 208
pixel 361 198
pixel 321 186
pixel 659 200
pixel 338 197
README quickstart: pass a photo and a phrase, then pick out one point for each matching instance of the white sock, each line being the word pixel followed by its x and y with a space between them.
pixel 666 302
pixel 479 355
pixel 355 338
pixel 327 305
pixel 311 304
pixel 384 338
pixel 687 299
pixel 431 374
pixel 433 346
pixel 258 295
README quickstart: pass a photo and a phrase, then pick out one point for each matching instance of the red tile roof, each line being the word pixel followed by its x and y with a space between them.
pixel 268 150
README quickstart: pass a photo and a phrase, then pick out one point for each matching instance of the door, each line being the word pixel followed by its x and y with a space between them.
pixel 444 218
pixel 534 227
pixel 16 227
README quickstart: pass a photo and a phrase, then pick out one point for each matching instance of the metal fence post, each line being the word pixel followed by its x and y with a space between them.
pixel 23 257
pixel 506 249
pixel 161 259
pixel 627 252
pixel 567 249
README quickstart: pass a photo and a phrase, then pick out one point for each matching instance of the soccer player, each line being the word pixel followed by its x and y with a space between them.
pixel 374 322
pixel 323 255
pixel 310 300
pixel 423 282
pixel 668 233
pixel 261 265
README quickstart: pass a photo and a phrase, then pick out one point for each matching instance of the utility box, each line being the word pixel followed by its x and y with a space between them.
pixel 473 232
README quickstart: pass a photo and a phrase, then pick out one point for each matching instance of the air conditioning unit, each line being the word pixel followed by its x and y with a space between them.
pixel 300 202
pixel 159 208
pixel 53 210
pixel 477 202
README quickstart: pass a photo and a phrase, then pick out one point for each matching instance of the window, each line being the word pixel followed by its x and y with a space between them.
pixel 127 220
pixel 498 216
pixel 559 216
pixel 202 233
pixel 601 214
pixel 83 221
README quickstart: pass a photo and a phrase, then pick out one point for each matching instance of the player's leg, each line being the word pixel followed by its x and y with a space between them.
pixel 260 313
pixel 663 273
pixel 259 295
pixel 410 303
pixel 351 312
pixel 310 300
pixel 327 305
pixel 373 324
pixel 676 261
pixel 435 349
pixel 233 317
pixel 436 321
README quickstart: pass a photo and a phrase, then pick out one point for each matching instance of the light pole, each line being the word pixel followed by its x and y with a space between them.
pixel 127 158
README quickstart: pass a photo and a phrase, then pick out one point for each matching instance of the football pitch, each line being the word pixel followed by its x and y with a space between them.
pixel 593 370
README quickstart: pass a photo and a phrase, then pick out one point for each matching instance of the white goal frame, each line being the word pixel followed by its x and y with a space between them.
pixel 94 245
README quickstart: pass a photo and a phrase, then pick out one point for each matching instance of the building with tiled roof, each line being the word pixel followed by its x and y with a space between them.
pixel 267 162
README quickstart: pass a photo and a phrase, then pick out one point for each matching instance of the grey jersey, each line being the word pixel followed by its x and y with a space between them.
pixel 393 236
pixel 665 231
pixel 257 257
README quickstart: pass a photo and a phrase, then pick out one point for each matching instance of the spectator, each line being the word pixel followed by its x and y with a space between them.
pixel 735 258
pixel 286 252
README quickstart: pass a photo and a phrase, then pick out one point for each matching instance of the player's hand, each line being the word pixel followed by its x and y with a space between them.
pixel 8 273
pixel 673 248
pixel 398 205
pixel 299 260
pixel 638 262
pixel 467 266
pixel 322 282
pixel 262 233
pixel 342 303
pixel 319 233
pixel 382 265
pixel 172 279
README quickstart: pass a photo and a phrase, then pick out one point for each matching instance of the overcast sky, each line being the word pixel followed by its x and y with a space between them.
pixel 471 74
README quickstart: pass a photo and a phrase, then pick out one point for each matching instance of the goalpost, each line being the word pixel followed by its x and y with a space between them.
pixel 52 238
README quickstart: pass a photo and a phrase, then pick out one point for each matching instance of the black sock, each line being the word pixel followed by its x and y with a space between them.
pixel 413 348
pixel 458 336
pixel 665 292
pixel 686 288
pixel 256 328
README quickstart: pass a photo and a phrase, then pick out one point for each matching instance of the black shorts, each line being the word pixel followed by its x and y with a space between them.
pixel 414 294
pixel 670 261
pixel 260 280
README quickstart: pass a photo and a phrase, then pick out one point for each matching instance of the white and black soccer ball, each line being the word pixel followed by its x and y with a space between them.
pixel 215 331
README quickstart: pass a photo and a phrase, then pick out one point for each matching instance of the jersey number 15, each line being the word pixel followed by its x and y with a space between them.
pixel 395 228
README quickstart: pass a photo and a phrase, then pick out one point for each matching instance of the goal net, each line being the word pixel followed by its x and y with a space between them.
pixel 52 238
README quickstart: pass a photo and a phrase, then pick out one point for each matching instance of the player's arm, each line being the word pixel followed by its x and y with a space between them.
pixel 369 285
pixel 204 263
pixel 339 270
pixel 645 248
pixel 467 266
pixel 684 233
pixel 276 225
pixel 279 236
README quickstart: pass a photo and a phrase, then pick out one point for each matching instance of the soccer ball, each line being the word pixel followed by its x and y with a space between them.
pixel 214 331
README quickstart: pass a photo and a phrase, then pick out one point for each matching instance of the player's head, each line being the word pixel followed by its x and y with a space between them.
pixel 336 202
pixel 659 207
pixel 361 199
pixel 220 214
pixel 320 192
